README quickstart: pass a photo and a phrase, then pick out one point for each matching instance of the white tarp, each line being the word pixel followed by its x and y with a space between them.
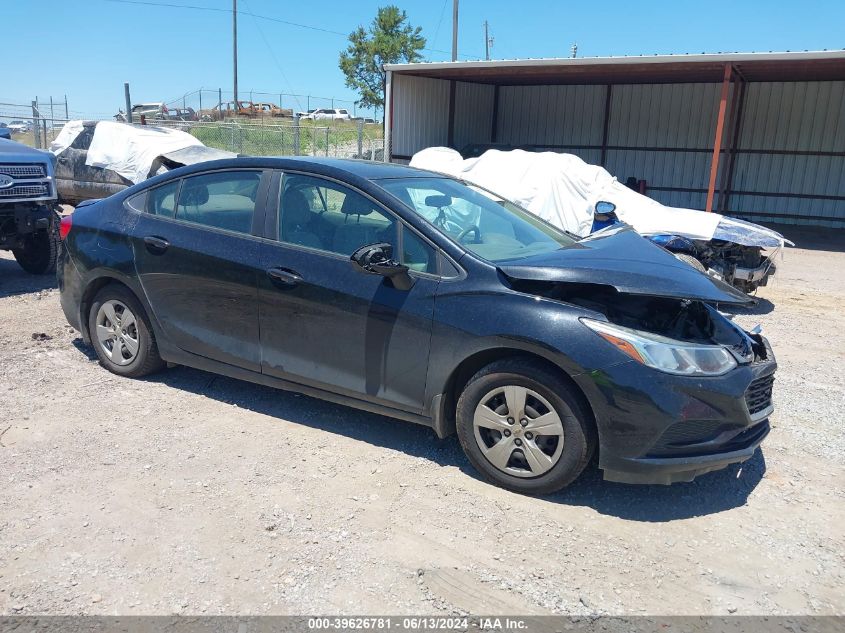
pixel 130 150
pixel 66 136
pixel 563 190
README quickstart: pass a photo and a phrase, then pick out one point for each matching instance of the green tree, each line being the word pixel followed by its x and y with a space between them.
pixel 389 40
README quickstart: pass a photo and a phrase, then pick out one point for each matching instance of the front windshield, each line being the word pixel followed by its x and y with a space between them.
pixel 479 220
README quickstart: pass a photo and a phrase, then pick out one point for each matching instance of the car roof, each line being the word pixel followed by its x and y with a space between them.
pixel 369 170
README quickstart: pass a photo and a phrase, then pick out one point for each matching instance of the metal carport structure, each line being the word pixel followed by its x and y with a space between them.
pixel 754 135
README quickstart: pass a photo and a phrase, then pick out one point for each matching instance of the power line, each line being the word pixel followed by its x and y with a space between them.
pixel 439 22
pixel 193 7
pixel 275 59
pixel 227 11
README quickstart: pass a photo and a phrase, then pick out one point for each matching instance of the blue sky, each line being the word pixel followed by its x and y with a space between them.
pixel 88 48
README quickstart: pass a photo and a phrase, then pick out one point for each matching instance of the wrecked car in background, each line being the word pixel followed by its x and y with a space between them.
pixel 564 190
pixel 96 159
pixel 229 109
pixel 272 110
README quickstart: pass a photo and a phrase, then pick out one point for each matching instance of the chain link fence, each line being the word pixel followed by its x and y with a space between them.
pixel 206 99
pixel 254 137
pixel 340 139
pixel 32 131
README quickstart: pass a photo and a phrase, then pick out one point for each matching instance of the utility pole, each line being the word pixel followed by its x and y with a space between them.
pixel 235 49
pixel 454 30
pixel 574 50
pixel 488 41
pixel 128 100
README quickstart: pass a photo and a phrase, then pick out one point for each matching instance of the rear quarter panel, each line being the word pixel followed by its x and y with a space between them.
pixel 98 248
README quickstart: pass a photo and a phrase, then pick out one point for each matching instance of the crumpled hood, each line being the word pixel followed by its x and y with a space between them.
pixel 621 258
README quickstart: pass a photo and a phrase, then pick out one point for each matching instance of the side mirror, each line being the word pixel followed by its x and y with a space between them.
pixel 377 259
pixel 605 208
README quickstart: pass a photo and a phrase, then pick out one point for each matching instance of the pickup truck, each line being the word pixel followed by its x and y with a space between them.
pixel 29 220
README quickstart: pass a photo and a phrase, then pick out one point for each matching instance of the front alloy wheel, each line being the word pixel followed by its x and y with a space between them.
pixel 518 431
pixel 525 426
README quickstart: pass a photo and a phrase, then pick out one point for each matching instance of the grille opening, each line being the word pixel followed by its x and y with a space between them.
pixel 758 396
pixel 33 190
pixel 23 170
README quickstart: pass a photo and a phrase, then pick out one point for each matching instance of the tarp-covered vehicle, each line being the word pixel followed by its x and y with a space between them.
pixel 564 190
pixel 96 159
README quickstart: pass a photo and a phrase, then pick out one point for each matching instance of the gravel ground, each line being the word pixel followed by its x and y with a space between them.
pixel 190 493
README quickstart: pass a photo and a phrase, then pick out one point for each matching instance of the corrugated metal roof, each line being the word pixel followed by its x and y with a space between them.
pixel 629 59
pixel 705 67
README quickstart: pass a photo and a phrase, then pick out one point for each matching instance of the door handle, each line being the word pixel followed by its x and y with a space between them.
pixel 284 277
pixel 156 245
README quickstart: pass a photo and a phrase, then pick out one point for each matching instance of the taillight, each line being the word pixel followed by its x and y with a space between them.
pixel 64 225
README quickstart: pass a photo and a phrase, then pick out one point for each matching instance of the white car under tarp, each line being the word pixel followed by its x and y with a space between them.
pixel 563 190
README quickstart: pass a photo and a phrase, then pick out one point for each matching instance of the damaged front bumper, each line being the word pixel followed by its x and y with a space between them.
pixel 655 428
pixel 748 277
pixel 758 276
pixel 668 470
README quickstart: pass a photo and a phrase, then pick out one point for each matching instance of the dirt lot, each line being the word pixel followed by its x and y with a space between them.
pixel 190 493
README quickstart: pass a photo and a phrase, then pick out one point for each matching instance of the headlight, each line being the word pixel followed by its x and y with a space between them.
pixel 665 354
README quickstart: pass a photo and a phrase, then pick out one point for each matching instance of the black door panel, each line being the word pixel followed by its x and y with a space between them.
pixel 344 330
pixel 199 263
pixel 202 287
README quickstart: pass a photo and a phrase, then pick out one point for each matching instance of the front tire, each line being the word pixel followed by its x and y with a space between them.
pixel 524 428
pixel 40 250
pixel 121 334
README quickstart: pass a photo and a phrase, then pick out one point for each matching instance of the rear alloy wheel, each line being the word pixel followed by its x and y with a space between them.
pixel 523 427
pixel 121 334
pixel 117 332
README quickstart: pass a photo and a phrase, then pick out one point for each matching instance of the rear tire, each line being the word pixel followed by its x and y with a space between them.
pixel 121 334
pixel 520 414
pixel 692 261
pixel 41 250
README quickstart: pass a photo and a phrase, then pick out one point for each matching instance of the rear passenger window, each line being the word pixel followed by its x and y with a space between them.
pixel 224 200
pixel 161 200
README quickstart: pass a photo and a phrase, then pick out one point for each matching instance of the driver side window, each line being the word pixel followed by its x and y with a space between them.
pixel 325 215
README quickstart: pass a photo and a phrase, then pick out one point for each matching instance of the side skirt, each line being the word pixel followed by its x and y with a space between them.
pixel 181 357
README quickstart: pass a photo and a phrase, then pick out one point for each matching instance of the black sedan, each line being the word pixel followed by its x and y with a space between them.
pixel 417 296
